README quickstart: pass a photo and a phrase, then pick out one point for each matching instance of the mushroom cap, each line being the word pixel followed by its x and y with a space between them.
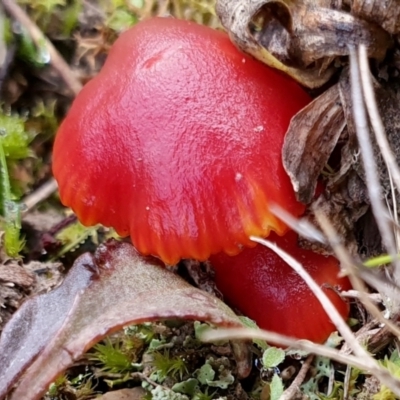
pixel 177 143
pixel 262 286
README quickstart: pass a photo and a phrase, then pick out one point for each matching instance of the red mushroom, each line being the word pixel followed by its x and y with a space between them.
pixel 177 143
pixel 262 286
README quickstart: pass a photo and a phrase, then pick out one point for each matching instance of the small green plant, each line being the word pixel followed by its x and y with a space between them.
pixel 57 385
pixel 42 10
pixel 144 332
pixel 112 357
pixel 271 358
pixel 73 235
pixel 33 53
pixel 165 365
pixel 14 142
pixel 203 396
pixel 81 386
pixel 392 364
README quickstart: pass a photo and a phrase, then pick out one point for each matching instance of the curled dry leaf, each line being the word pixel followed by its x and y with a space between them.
pixel 386 13
pixel 101 294
pixel 312 135
pixel 321 134
pixel 302 38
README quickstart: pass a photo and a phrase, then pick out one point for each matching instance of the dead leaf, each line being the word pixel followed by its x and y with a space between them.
pixel 100 295
pixel 326 126
pixel 301 38
pixel 345 200
pixel 312 135
pixel 386 13
pixel 343 208
pixel 323 32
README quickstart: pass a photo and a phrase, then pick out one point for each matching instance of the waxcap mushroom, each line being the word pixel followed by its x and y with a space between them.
pixel 177 143
pixel 262 286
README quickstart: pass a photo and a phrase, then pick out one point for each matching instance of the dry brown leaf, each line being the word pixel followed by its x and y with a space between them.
pixel 386 13
pixel 302 38
pixel 315 133
pixel 312 135
pixel 100 295
pixel 323 32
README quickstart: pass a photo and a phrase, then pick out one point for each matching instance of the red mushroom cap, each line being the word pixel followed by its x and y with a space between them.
pixel 262 286
pixel 177 142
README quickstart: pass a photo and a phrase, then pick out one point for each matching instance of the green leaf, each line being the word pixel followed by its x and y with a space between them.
pixel 186 387
pixel 12 241
pixel 35 54
pixel 272 357
pixel 73 235
pixel 13 137
pixel 380 260
pixel 206 374
pixel 276 387
pixel 395 358
pixel 163 393
pixel 225 379
pixel 11 211
pixel 121 20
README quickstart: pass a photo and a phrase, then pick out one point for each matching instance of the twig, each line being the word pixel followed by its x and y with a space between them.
pixel 291 391
pixel 245 333
pixel 346 384
pixel 381 139
pixel 302 226
pixel 143 377
pixel 348 264
pixel 363 334
pixel 375 118
pixel 40 40
pixel 355 294
pixel 381 283
pixel 371 173
pixel 40 194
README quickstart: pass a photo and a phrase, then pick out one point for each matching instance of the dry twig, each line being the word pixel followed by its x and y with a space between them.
pixel 371 172
pixel 39 195
pixel 348 264
pixel 293 389
pixel 358 362
pixel 381 139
